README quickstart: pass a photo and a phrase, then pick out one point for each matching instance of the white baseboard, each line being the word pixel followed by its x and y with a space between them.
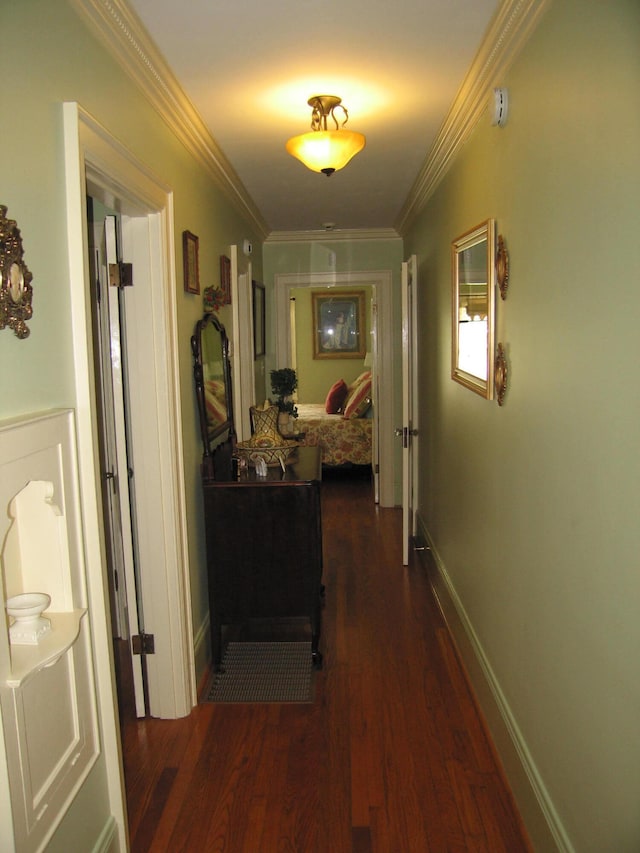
pixel 108 841
pixel 202 648
pixel 532 799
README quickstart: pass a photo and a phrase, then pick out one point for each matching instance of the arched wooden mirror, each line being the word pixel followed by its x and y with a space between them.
pixel 212 375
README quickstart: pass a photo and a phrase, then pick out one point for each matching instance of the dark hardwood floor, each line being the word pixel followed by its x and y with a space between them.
pixel 391 758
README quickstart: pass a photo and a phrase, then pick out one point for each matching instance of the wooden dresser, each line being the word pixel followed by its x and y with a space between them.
pixel 264 547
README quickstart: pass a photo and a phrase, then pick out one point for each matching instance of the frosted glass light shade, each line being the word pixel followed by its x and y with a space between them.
pixel 326 150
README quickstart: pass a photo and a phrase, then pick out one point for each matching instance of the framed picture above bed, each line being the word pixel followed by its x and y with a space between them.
pixel 339 324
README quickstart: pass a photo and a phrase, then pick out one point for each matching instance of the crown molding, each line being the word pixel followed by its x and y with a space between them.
pixel 329 236
pixel 507 34
pixel 125 37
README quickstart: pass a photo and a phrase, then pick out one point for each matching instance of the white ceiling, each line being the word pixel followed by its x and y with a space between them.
pixel 249 67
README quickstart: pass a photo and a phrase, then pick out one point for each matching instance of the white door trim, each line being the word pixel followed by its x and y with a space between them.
pixel 114 375
pixel 95 162
pixel 409 396
pixel 381 281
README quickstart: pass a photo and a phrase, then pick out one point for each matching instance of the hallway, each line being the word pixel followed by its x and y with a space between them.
pixel 391 758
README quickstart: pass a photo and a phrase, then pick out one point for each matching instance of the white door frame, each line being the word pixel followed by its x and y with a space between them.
pixel 117 493
pixel 381 281
pixel 97 164
pixel 409 412
pixel 375 437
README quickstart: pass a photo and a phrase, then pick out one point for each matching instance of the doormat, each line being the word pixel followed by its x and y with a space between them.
pixel 264 672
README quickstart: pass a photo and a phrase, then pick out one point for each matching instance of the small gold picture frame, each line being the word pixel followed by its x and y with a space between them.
pixel 190 261
pixel 259 319
pixel 225 278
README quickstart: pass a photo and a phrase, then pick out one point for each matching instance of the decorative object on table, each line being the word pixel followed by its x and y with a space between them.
pixel 225 278
pixel 339 325
pixel 266 443
pixel 265 425
pixel 501 374
pixel 273 457
pixel 190 262
pixel 213 299
pixel 16 292
pixel 502 267
pixel 261 466
pixel 29 624
pixel 283 384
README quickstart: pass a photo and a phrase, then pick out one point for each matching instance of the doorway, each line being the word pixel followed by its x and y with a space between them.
pixel 380 282
pixel 97 165
pixel 110 281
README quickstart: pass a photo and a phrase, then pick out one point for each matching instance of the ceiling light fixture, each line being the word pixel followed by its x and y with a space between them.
pixel 324 150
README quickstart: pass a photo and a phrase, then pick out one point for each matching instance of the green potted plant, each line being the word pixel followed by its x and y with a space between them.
pixel 283 383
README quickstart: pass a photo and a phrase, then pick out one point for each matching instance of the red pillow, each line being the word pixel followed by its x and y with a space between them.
pixel 336 397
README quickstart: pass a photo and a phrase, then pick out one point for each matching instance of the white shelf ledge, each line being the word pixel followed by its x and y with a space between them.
pixel 27 660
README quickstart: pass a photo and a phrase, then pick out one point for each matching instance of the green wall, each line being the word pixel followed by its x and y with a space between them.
pixel 532 507
pixel 50 57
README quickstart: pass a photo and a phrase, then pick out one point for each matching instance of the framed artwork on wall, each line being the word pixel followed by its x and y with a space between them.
pixel 225 278
pixel 190 262
pixel 259 319
pixel 339 325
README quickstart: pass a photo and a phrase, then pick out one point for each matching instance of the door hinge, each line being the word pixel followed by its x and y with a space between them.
pixel 143 644
pixel 121 275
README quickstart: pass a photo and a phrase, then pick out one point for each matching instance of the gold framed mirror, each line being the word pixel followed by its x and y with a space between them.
pixel 473 308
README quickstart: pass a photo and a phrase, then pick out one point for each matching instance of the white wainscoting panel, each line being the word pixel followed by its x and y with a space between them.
pixel 47 691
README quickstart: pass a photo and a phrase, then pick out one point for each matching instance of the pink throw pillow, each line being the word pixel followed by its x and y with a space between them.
pixel 336 397
pixel 359 401
pixel 353 385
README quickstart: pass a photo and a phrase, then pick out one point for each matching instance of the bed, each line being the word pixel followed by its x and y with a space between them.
pixel 343 441
pixel 342 426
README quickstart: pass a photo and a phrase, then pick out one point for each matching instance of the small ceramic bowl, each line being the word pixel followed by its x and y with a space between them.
pixel 27 605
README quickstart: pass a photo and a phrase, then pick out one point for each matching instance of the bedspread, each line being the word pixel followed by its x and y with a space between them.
pixel 342 440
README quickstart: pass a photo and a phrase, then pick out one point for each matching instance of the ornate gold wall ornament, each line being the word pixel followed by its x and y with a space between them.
pixel 501 374
pixel 502 267
pixel 15 289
